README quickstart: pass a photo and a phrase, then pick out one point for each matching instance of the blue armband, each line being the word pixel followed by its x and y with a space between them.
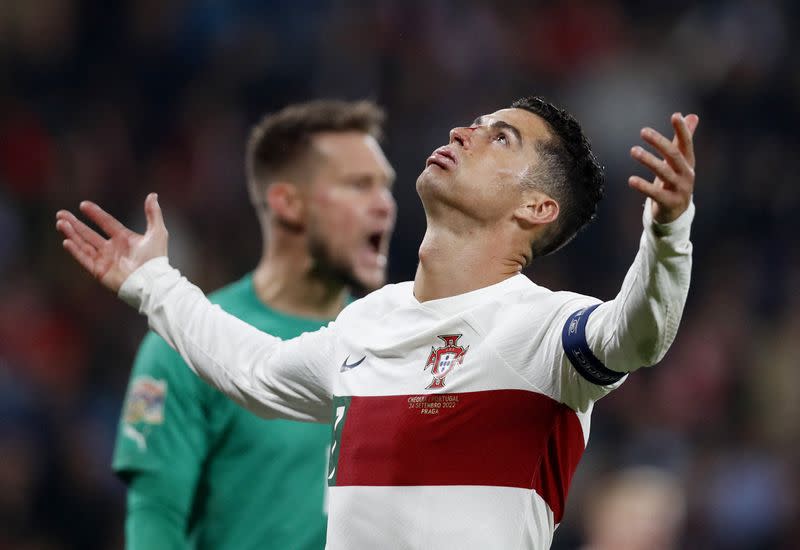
pixel 573 340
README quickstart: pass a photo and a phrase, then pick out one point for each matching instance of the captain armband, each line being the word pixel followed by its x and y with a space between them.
pixel 573 340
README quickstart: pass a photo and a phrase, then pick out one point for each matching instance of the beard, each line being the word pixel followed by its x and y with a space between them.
pixel 327 267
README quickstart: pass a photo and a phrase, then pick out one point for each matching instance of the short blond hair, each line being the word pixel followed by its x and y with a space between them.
pixel 281 141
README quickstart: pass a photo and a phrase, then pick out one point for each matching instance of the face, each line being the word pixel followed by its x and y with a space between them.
pixel 481 169
pixel 350 211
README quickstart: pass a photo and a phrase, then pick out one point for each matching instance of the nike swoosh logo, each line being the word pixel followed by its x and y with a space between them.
pixel 346 366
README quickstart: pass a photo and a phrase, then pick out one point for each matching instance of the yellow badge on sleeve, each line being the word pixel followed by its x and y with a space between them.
pixel 145 402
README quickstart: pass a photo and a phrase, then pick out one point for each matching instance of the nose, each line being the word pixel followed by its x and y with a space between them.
pixel 461 136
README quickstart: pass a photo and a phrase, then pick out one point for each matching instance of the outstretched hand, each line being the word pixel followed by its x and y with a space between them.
pixel 110 260
pixel 672 188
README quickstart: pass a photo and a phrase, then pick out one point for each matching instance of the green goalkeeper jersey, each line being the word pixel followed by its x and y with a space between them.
pixel 204 473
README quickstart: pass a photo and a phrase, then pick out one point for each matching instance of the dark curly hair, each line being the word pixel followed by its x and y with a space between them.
pixel 567 171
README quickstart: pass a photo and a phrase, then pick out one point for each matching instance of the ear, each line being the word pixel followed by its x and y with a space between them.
pixel 539 210
pixel 286 204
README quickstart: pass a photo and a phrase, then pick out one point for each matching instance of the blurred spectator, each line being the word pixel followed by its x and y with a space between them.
pixel 636 509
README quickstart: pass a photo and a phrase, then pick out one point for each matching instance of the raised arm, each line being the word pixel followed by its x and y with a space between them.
pixel 268 376
pixel 636 328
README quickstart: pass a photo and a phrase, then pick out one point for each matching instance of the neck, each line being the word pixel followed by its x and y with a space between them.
pixel 455 260
pixel 284 281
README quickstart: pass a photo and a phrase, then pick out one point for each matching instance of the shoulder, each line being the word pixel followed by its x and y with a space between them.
pixel 153 350
pixel 539 299
pixel 391 293
pixel 156 362
pixel 379 302
pixel 529 310
pixel 572 301
pixel 525 299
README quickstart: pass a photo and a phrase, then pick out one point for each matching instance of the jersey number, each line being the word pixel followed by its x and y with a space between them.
pixel 340 407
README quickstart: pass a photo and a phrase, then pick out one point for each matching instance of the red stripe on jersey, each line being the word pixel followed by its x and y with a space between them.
pixel 505 438
pixel 564 450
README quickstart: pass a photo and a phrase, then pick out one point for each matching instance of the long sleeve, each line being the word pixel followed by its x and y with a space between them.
pixel 598 342
pixel 270 377
pixel 163 423
pixel 637 327
pixel 154 520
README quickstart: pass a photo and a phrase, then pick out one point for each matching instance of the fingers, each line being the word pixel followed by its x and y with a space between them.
pixel 85 259
pixel 103 219
pixel 671 191
pixel 152 211
pixel 692 121
pixel 684 129
pixel 661 169
pixel 68 230
pixel 647 188
pixel 669 150
pixel 87 234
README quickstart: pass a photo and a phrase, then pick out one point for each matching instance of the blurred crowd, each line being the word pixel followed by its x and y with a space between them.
pixel 110 100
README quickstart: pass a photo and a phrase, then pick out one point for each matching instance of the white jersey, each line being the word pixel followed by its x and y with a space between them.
pixel 457 422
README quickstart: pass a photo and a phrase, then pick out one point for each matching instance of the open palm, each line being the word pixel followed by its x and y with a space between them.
pixel 111 260
pixel 672 188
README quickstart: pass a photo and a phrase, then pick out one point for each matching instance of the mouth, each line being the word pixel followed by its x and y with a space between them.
pixel 376 248
pixel 374 241
pixel 442 157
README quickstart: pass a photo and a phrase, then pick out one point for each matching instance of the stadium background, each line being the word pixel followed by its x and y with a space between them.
pixel 110 100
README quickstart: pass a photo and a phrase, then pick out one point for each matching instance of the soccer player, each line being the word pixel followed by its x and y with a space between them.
pixel 460 401
pixel 201 471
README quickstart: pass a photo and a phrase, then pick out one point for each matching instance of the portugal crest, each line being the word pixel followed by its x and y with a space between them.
pixel 444 359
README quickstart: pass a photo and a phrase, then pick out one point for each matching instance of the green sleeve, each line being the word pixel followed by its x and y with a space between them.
pixel 153 520
pixel 162 437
